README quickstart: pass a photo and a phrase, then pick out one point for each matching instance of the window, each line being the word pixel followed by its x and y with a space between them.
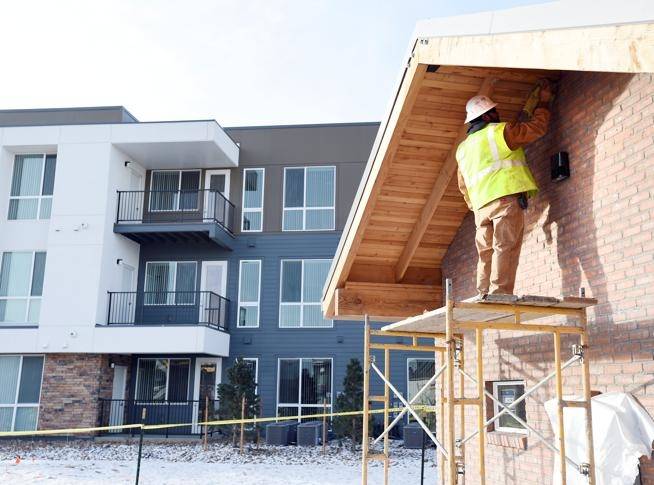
pixel 253 184
pixel 506 392
pixel 302 281
pixel 170 283
pixel 32 185
pixel 249 293
pixel 162 379
pixel 253 364
pixel 418 373
pixel 303 386
pixel 174 190
pixel 309 199
pixel 20 392
pixel 21 286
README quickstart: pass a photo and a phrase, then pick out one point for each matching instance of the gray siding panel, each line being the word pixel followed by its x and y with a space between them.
pixel 347 147
pixel 269 342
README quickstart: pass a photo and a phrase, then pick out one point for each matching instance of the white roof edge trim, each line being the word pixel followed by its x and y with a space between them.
pixel 562 14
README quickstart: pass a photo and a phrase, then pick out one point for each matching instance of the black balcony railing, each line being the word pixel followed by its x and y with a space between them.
pixel 119 412
pixel 175 206
pixel 168 308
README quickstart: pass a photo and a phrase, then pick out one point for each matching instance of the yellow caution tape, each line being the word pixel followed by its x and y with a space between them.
pixel 225 422
pixel 67 430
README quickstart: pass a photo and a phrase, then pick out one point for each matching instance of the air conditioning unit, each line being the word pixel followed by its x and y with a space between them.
pixel 413 436
pixel 309 433
pixel 281 434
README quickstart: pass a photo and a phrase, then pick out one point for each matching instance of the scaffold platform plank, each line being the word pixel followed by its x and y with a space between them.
pixel 493 309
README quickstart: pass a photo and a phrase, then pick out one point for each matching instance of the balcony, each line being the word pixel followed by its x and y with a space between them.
pixel 168 308
pixel 175 216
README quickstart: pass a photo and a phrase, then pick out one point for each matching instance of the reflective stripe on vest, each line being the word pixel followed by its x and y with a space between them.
pixel 490 168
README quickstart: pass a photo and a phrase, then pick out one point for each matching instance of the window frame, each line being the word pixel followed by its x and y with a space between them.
pixel 16 404
pixel 302 303
pixel 251 304
pixel 496 407
pixel 263 195
pixel 29 296
pixel 174 291
pixel 256 367
pixel 179 190
pixel 299 404
pixel 304 201
pixel 154 401
pixel 40 197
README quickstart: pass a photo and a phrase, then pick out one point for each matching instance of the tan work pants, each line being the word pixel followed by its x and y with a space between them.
pixel 500 227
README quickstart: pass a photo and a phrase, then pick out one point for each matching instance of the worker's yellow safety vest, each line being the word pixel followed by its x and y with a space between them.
pixel 491 169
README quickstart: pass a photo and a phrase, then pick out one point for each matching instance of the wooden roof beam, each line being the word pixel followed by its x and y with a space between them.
pixel 385 301
pixel 443 180
pixel 370 188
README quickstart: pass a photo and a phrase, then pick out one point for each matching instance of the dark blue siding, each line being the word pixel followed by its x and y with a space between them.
pixel 268 343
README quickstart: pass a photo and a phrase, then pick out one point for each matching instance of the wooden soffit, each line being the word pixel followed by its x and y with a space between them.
pixel 408 207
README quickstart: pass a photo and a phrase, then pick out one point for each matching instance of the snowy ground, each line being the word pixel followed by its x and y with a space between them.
pixel 94 463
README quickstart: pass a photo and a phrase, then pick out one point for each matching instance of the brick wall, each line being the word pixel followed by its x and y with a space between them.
pixel 72 386
pixel 593 230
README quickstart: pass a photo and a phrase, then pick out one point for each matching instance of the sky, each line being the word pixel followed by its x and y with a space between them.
pixel 241 62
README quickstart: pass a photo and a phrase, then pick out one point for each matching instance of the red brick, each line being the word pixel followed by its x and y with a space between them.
pixel 600 224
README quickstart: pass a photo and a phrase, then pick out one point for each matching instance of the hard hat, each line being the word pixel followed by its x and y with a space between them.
pixel 477 106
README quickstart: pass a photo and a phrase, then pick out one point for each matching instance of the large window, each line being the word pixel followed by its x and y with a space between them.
pixel 21 286
pixel 170 283
pixel 249 292
pixel 174 190
pixel 162 379
pixel 419 371
pixel 309 199
pixel 302 281
pixel 20 392
pixel 32 185
pixel 507 392
pixel 303 386
pixel 253 183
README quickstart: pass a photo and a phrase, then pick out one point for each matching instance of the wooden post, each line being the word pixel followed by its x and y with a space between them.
pixel 324 425
pixel 366 401
pixel 462 407
pixel 387 374
pixel 559 398
pixel 481 408
pixel 206 418
pixel 257 426
pixel 441 420
pixel 585 375
pixel 242 424
pixel 449 338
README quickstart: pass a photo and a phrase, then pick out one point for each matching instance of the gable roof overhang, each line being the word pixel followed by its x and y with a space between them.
pixel 408 208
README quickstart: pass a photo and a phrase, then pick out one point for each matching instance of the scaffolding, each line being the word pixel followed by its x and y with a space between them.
pixel 444 329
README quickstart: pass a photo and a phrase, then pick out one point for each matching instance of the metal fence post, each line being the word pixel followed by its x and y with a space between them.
pixel 138 463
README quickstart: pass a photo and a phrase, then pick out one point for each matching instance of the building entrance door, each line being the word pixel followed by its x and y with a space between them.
pixel 205 391
pixel 117 409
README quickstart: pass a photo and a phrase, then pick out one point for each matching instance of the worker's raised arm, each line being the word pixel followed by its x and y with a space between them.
pixel 520 133
pixel 517 134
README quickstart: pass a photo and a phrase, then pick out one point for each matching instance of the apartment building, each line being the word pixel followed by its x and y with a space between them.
pixel 138 260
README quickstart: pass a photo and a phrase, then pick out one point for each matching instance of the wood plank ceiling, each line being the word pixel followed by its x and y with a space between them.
pixel 418 208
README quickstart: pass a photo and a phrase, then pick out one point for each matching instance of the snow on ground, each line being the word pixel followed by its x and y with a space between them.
pixel 86 462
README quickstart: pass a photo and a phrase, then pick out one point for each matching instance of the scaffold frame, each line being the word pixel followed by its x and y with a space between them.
pixel 446 331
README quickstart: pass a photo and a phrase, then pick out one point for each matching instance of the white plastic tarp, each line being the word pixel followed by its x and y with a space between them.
pixel 622 432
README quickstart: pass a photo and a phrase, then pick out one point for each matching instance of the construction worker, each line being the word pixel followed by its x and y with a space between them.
pixel 495 181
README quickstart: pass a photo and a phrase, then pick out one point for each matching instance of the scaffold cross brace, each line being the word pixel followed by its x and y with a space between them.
pixel 578 350
pixel 584 469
